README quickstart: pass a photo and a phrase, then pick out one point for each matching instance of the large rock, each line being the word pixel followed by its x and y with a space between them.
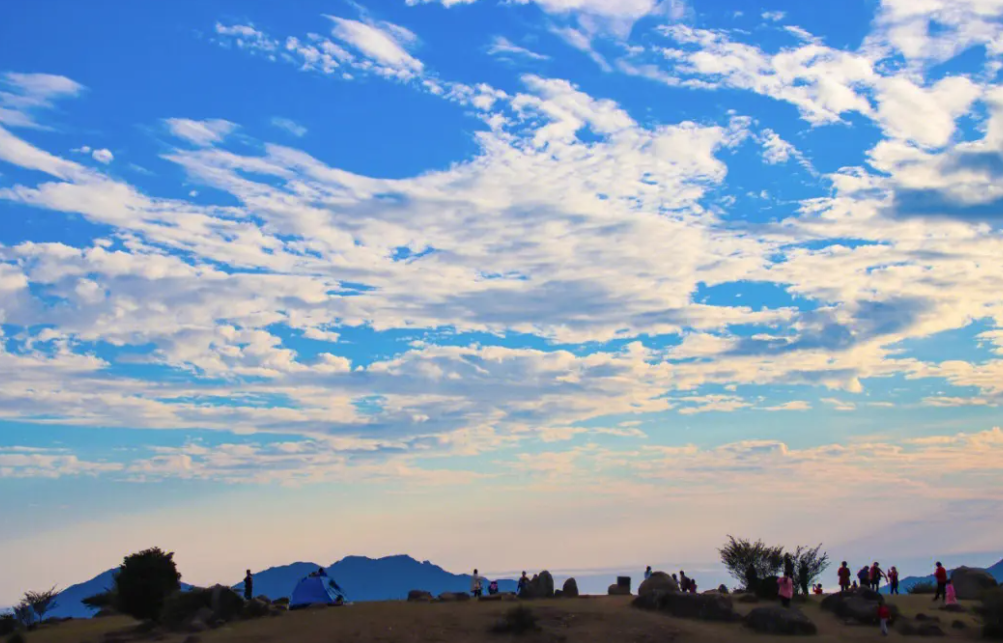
pixel 706 607
pixel 780 620
pixel 658 582
pixel 922 629
pixel 860 606
pixel 969 582
pixel 540 586
pixel 256 608
pixel 453 597
pixel 570 588
pixel 618 590
pixel 226 604
pixel 419 596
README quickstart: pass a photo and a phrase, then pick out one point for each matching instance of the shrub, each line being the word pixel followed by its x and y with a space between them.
pixel 105 600
pixel 40 602
pixel 809 563
pixel 518 620
pixel 143 582
pixel 749 561
pixel 924 587
pixel 16 637
pixel 7 623
pixel 768 588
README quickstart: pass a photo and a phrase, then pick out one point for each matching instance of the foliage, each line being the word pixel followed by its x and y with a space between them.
pixel 104 600
pixel 7 623
pixel 923 587
pixel 518 620
pixel 144 580
pixel 749 562
pixel 40 602
pixel 24 615
pixel 809 563
pixel 767 588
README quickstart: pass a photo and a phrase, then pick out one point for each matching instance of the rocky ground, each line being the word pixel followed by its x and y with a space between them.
pixel 580 620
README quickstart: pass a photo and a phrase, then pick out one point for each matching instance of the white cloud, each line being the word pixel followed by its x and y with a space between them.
pixel 774 16
pixel 383 43
pixel 103 156
pixel 22 95
pixel 502 46
pixel 290 126
pixel 202 133
pixel 793 405
pixel 839 405
pixel 24 462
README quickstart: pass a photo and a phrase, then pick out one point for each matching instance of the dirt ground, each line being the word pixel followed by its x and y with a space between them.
pixel 583 620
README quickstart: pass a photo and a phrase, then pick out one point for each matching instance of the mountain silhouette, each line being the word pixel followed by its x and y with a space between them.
pixel 362 578
pixel 911 581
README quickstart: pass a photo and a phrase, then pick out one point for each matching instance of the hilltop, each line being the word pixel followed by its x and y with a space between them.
pixel 362 578
pixel 910 581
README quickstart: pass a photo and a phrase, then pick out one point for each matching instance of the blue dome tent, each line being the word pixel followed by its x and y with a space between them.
pixel 316 589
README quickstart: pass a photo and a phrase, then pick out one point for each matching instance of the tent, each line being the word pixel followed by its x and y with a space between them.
pixel 316 589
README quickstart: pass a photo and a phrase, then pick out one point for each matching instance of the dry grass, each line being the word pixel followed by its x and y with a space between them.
pixel 585 620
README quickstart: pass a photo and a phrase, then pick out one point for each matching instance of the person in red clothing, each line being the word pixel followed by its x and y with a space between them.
pixel 844 577
pixel 893 580
pixel 884 615
pixel 941 576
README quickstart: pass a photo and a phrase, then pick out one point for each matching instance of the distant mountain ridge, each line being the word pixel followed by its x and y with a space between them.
pixel 911 581
pixel 362 579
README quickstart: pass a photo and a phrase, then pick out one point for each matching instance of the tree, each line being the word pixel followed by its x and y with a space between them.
pixel 808 564
pixel 144 580
pixel 40 602
pixel 750 562
pixel 107 599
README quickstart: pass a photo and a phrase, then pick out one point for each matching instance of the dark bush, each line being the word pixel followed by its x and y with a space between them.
pixel 767 588
pixel 7 624
pixel 143 582
pixel 16 637
pixel 749 562
pixel 518 620
pixel 104 600
pixel 924 587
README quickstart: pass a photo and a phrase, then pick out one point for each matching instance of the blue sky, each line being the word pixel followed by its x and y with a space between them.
pixel 414 268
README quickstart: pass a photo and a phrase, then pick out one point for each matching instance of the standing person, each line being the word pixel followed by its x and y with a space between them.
pixel 523 584
pixel 864 576
pixel 684 582
pixel 647 573
pixel 884 615
pixel 940 574
pixel 876 574
pixel 893 580
pixel 785 588
pixel 844 577
pixel 476 585
pixel 248 586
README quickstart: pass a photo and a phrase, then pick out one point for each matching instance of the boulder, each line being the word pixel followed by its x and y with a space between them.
pixel 419 596
pixel 454 597
pixel 860 606
pixel 226 604
pixel 490 598
pixel 970 582
pixel 570 588
pixel 256 608
pixel 921 617
pixel 618 590
pixel 722 588
pixel 660 582
pixel 196 625
pixel 542 585
pixel 264 599
pixel 281 601
pixel 706 607
pixel 780 620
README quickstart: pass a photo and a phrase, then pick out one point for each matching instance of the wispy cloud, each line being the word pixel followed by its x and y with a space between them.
pixel 290 126
pixel 201 133
pixel 502 46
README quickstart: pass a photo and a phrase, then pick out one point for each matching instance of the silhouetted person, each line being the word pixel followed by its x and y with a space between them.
pixel 684 582
pixel 647 573
pixel 893 580
pixel 248 586
pixel 940 574
pixel 876 574
pixel 476 584
pixel 844 577
pixel 493 587
pixel 523 584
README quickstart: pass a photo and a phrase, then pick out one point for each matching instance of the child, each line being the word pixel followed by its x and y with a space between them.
pixel 493 587
pixel 818 590
pixel 785 587
pixel 952 597
pixel 884 614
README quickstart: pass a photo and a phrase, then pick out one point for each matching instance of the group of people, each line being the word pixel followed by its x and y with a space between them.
pixel 685 583
pixel 869 577
pixel 477 585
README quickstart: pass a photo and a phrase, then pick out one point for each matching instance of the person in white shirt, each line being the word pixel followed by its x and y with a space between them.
pixel 476 584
